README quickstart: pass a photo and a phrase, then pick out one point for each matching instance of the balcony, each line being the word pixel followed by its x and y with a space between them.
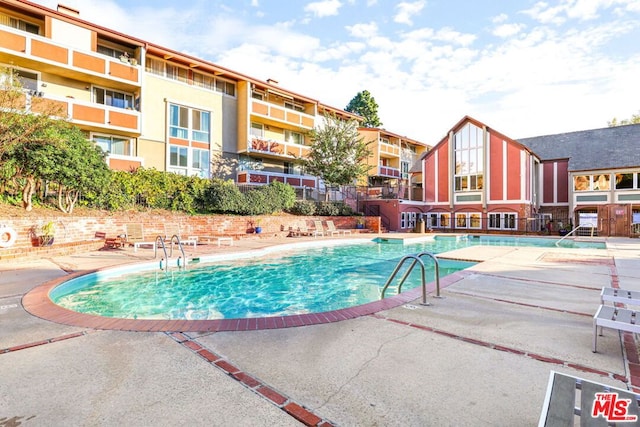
pixel 263 178
pixel 278 149
pixel 388 149
pixel 37 52
pixel 280 114
pixel 389 172
pixel 86 114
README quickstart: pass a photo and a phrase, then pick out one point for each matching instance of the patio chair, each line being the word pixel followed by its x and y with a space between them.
pixel 135 237
pixel 171 230
pixel 319 228
pixel 331 229
pixel 569 399
pixel 303 230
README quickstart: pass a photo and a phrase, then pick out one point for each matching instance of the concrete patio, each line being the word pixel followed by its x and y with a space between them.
pixel 480 356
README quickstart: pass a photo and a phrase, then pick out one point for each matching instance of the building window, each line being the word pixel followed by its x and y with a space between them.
pixel 468 220
pixel 625 181
pixel 600 182
pixel 503 221
pixel 250 163
pixel 255 94
pixel 228 88
pixel 28 80
pixel 114 145
pixel 257 130
pixel 407 219
pixel 19 24
pixel 438 220
pixel 176 73
pixel 469 158
pixel 200 162
pixel 178 156
pixel 204 81
pixel 178 121
pixel 288 168
pixel 112 52
pixel 200 125
pixel 293 137
pixel 293 106
pixel 112 98
pixel 154 66
pixel 404 170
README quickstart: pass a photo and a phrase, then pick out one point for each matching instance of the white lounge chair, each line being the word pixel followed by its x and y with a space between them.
pixel 620 319
pixel 331 229
pixel 319 228
pixel 570 401
pixel 171 230
pixel 136 238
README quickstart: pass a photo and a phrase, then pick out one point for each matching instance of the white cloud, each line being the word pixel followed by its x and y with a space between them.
pixel 363 30
pixel 407 10
pixel 545 14
pixel 498 19
pixel 507 30
pixel 323 8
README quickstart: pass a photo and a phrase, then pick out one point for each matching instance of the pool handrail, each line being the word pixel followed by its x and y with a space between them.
pixel 573 231
pixel 416 260
pixel 160 239
pixel 184 257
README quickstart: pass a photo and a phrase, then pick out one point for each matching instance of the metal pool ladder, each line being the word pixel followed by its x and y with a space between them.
pixel 164 248
pixel 416 260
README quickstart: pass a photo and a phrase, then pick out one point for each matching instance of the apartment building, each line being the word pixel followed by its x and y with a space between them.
pixel 147 105
pixel 394 182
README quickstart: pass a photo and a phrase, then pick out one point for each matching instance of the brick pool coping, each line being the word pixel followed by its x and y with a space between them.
pixel 38 303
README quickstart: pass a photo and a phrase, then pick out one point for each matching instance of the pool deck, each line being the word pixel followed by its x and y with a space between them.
pixel 479 356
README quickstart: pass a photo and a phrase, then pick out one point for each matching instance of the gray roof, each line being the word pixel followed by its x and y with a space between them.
pixel 607 148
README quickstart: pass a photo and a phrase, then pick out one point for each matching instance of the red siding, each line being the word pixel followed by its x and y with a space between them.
pixel 513 172
pixel 563 181
pixel 547 182
pixel 443 173
pixel 430 178
pixel 495 160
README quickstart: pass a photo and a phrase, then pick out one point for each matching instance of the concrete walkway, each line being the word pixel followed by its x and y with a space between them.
pixel 480 356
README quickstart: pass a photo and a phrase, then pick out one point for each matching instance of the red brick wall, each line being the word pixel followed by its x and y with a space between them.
pixel 83 228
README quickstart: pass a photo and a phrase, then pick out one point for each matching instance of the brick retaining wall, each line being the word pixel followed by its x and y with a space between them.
pixel 77 233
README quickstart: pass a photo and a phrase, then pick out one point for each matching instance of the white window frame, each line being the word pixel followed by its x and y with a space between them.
pixel 290 135
pixel 110 142
pixel 504 219
pixel 468 216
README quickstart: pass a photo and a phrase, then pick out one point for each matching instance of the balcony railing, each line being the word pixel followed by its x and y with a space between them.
pixel 277 148
pixel 389 172
pixel 264 177
pixel 38 48
pixel 84 112
pixel 399 192
pixel 385 148
pixel 281 114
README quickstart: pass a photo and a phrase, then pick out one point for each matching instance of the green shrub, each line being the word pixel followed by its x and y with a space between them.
pixel 223 197
pixel 327 209
pixel 303 207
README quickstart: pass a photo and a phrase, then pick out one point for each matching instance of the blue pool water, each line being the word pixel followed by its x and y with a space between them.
pixel 313 279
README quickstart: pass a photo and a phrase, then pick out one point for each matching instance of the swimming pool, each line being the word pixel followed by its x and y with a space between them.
pixel 281 281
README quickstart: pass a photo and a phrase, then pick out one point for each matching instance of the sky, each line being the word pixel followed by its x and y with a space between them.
pixel 523 67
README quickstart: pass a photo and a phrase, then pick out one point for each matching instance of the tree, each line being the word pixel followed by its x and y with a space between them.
pixel 635 119
pixel 365 105
pixel 18 123
pixel 338 154
pixel 78 166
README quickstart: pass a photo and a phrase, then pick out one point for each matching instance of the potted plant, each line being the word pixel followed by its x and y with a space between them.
pixel 257 228
pixel 42 235
pixel 360 223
